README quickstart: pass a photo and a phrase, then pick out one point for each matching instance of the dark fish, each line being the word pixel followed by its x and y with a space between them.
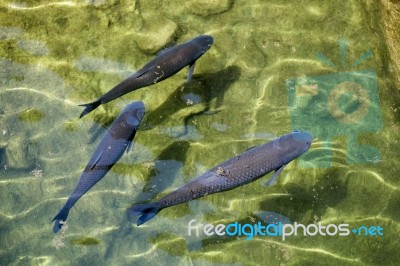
pixel 116 140
pixel 240 170
pixel 169 62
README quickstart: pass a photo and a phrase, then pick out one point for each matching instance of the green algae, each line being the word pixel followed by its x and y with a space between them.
pixel 84 241
pixel 70 126
pixel 31 115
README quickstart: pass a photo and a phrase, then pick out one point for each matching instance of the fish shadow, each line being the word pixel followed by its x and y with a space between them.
pixel 194 97
pixel 167 166
pixel 2 157
pixel 306 205
pixel 216 241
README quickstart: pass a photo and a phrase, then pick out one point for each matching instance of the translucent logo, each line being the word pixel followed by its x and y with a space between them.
pixel 342 104
pixel 279 229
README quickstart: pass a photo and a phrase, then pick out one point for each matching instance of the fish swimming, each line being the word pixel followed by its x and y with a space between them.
pixel 116 140
pixel 242 169
pixel 169 62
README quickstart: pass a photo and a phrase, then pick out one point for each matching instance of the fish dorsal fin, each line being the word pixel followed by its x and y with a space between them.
pixel 251 148
pixel 145 69
pixel 140 73
pixel 96 160
pixel 165 50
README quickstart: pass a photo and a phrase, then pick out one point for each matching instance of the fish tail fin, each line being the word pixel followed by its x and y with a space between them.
pixel 89 107
pixel 60 219
pixel 145 212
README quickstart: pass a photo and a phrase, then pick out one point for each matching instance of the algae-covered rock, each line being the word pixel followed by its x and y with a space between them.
pixel 170 243
pixel 70 126
pixel 31 115
pixel 19 154
pixel 390 14
pixel 209 7
pixel 156 36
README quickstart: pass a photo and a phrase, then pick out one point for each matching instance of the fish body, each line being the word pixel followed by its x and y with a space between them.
pixel 115 142
pixel 240 170
pixel 169 62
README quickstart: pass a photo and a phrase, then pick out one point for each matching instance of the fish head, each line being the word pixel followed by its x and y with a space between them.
pixel 203 42
pixel 295 144
pixel 135 113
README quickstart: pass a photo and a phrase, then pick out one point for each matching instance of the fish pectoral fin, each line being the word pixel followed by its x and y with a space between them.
pixel 273 178
pixel 129 146
pixel 191 70
pixel 130 142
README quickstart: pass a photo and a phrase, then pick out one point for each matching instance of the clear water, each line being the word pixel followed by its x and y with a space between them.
pixel 56 55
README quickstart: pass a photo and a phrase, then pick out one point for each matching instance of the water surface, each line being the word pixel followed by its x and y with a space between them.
pixel 56 55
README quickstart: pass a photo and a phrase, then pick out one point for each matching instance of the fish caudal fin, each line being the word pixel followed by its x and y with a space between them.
pixel 145 212
pixel 59 219
pixel 89 107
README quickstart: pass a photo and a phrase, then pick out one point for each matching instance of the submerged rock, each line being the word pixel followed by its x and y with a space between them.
pixel 210 7
pixel 157 36
pixel 19 154
pixel 33 47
